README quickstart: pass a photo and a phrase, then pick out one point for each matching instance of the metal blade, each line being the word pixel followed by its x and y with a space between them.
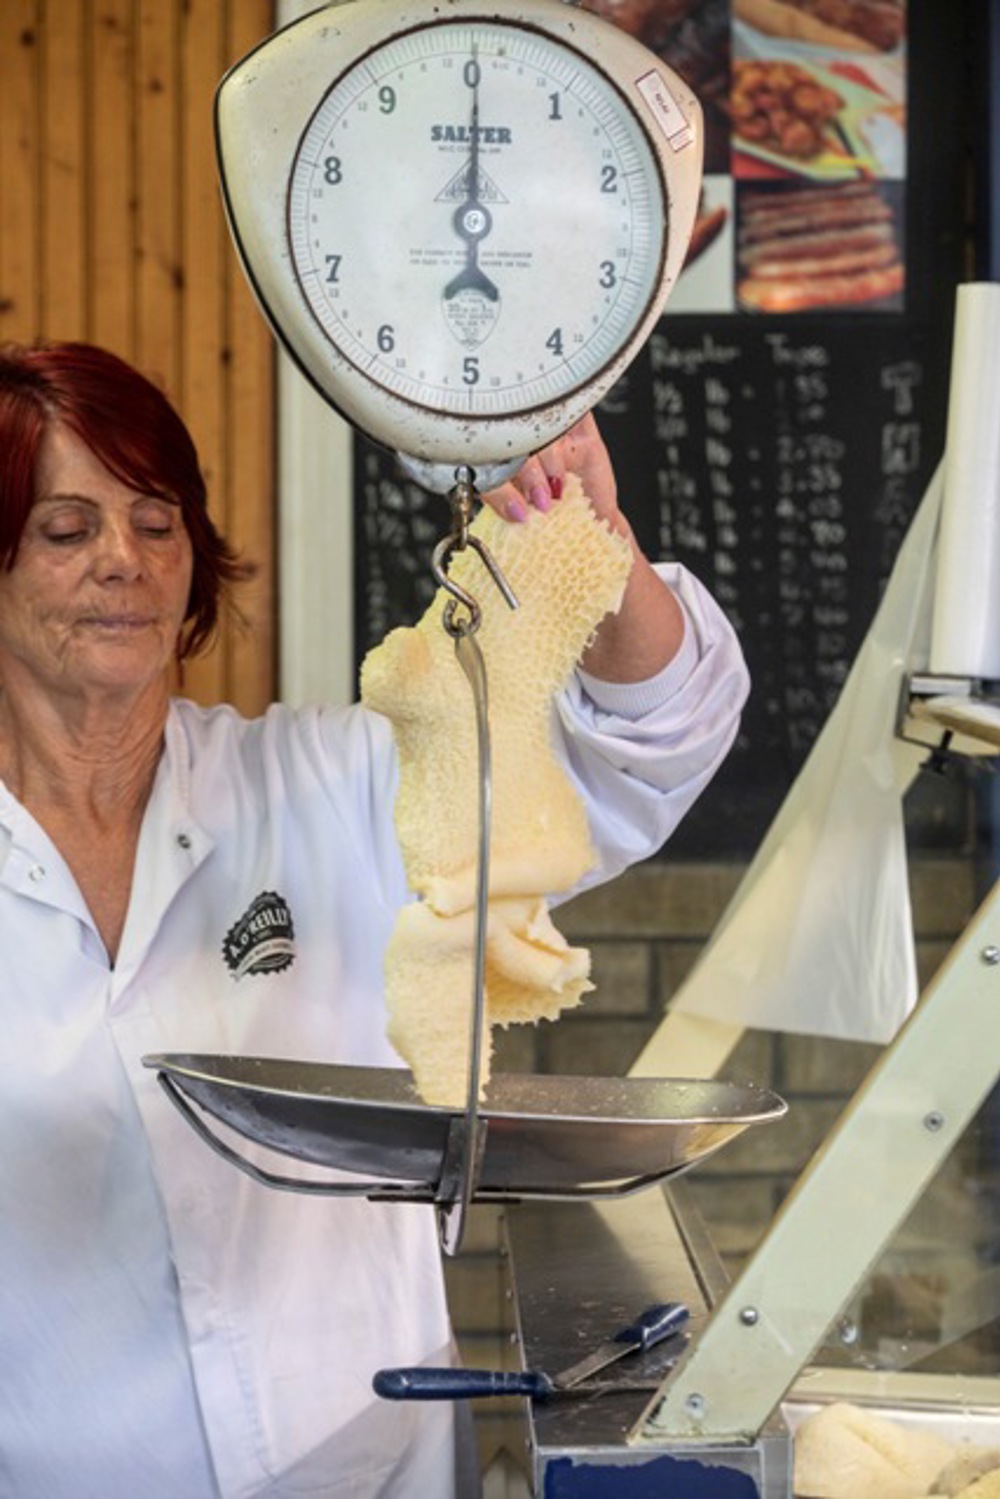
pixel 656 1323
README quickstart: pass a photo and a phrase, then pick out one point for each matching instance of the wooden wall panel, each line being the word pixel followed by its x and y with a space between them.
pixel 20 161
pixel 112 230
pixel 204 242
pixel 108 251
pixel 157 268
pixel 250 442
pixel 63 168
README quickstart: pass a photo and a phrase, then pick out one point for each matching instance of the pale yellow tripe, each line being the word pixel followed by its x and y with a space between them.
pixel 973 1474
pixel 847 1452
pixel 568 570
pixel 986 1487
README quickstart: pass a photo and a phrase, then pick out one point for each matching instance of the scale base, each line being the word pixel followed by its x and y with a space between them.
pixel 614 1258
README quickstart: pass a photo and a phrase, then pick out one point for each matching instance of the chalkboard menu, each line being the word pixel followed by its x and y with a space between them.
pixel 790 502
pixel 778 430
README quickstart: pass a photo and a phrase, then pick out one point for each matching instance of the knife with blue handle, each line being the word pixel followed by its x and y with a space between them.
pixel 656 1324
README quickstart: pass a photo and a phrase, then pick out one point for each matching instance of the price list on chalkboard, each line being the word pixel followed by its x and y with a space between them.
pixel 789 500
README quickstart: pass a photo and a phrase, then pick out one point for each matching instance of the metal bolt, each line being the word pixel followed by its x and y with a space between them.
pixel 749 1316
pixel 990 955
pixel 695 1406
pixel 933 1121
pixel 847 1331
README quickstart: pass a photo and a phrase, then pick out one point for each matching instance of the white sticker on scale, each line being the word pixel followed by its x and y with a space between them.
pixel 665 110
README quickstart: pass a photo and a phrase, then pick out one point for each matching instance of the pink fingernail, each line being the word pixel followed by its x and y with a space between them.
pixel 556 486
pixel 517 510
pixel 540 496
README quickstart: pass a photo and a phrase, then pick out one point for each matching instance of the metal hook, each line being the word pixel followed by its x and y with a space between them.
pixel 462 498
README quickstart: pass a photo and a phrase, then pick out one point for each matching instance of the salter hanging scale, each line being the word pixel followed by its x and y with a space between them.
pixel 462 219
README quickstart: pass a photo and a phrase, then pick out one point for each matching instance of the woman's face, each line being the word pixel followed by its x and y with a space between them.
pixel 98 593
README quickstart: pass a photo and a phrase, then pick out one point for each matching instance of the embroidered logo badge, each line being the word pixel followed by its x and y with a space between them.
pixel 263 940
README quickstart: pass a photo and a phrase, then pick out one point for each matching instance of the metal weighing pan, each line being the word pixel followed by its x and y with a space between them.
pixel 538 1136
pixel 533 1136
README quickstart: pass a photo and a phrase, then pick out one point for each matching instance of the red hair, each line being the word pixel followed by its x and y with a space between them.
pixel 129 424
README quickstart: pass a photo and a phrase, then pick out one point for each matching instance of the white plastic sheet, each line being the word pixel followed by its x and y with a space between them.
pixel 818 938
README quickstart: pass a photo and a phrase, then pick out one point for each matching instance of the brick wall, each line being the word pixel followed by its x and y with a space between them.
pixel 645 931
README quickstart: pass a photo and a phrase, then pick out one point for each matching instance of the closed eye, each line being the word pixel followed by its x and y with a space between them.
pixel 155 518
pixel 66 538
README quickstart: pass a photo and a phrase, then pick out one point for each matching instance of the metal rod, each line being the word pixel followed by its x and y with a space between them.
pixel 462 499
pixel 401 1192
pixel 870 1171
pixel 470 658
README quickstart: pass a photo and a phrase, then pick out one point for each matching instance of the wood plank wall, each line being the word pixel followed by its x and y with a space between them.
pixel 112 230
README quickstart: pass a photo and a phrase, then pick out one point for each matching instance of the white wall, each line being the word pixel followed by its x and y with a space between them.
pixel 315 530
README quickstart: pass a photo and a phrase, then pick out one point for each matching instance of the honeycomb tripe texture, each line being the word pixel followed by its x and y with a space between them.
pixel 986 1487
pixel 846 1452
pixel 568 570
pixel 973 1474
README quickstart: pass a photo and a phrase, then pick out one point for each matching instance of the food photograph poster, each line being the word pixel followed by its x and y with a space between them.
pixel 802 208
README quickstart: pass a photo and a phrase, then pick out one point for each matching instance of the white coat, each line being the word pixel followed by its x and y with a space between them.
pixel 168 1327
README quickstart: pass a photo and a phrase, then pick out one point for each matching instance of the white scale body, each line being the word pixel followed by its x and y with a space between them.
pixel 462 220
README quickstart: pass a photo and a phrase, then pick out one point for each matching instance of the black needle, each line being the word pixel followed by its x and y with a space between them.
pixel 472 219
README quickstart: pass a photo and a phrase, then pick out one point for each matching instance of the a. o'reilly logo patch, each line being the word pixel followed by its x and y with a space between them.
pixel 263 940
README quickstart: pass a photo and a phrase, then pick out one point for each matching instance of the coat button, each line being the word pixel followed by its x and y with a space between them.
pixel 183 840
pixel 36 873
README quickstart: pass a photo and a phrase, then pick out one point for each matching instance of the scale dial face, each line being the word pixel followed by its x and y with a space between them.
pixel 461 223
pixel 476 220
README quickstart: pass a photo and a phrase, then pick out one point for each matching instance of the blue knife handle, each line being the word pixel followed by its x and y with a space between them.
pixel 424 1383
pixel 457 1384
pixel 655 1324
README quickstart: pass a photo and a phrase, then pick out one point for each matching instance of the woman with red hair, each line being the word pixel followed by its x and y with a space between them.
pixel 180 878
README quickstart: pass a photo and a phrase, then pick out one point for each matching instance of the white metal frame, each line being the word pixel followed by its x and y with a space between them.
pixel 859 1187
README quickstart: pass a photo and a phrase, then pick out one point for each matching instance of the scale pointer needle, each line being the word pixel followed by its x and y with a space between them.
pixel 472 219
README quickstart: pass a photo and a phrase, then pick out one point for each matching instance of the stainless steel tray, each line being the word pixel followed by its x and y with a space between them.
pixel 538 1136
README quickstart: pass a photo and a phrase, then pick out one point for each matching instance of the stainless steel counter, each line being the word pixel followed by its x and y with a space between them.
pixel 581 1271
